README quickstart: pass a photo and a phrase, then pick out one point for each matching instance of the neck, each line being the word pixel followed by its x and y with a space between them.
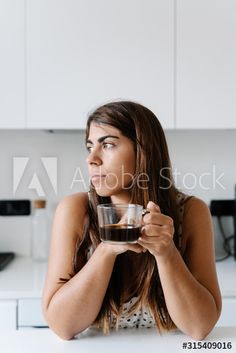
pixel 121 198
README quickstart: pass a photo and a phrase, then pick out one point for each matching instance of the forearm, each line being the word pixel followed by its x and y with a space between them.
pixel 77 303
pixel 191 306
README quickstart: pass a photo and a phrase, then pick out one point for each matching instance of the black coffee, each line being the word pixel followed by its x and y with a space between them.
pixel 123 233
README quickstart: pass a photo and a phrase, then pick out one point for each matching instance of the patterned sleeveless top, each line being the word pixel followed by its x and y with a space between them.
pixel 143 317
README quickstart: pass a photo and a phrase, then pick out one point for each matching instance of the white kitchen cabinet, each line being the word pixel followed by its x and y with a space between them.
pixel 21 284
pixel 8 314
pixel 12 64
pixel 21 313
pixel 206 56
pixel 30 313
pixel 83 53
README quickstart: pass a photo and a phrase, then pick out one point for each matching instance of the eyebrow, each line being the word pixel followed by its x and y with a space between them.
pixel 101 139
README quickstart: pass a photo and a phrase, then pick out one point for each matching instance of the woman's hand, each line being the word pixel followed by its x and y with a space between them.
pixel 157 232
pixel 117 249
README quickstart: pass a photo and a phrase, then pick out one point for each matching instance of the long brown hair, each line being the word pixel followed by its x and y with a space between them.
pixel 142 127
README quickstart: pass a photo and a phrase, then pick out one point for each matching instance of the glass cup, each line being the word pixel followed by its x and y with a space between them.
pixel 120 223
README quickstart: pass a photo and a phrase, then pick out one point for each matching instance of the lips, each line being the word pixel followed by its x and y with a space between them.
pixel 96 177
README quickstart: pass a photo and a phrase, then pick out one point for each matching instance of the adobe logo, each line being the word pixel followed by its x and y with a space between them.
pixel 21 164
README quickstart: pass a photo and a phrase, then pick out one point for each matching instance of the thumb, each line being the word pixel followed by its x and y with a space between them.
pixel 152 207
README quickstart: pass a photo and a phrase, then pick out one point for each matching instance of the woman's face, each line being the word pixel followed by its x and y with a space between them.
pixel 111 162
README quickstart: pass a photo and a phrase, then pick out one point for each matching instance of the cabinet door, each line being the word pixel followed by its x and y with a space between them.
pixel 8 314
pixel 12 64
pixel 30 313
pixel 82 53
pixel 206 56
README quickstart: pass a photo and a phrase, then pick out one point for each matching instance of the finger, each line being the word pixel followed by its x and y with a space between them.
pixel 154 239
pixel 155 229
pixel 148 240
pixel 152 230
pixel 146 229
pixel 152 207
pixel 157 218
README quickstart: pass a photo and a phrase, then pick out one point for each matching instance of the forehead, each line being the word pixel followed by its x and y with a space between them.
pixel 98 130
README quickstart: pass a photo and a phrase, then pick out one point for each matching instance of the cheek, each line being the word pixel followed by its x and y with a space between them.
pixel 120 168
pixel 120 174
pixel 121 162
pixel 130 163
pixel 126 170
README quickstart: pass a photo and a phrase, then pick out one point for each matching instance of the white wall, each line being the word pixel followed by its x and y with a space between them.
pixel 194 152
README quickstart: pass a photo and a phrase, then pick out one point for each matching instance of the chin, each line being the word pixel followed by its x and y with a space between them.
pixel 104 192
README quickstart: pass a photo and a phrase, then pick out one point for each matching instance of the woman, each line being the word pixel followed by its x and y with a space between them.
pixel 168 278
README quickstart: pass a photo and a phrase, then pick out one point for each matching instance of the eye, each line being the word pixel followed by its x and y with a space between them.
pixel 89 148
pixel 108 145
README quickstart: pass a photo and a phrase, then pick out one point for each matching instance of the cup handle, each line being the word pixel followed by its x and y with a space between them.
pixel 145 211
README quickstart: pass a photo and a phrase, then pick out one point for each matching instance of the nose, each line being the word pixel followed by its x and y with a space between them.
pixel 94 158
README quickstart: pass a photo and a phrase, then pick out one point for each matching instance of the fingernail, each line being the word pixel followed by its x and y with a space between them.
pixel 152 204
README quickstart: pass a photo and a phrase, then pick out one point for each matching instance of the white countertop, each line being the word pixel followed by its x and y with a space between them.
pixel 126 341
pixel 24 278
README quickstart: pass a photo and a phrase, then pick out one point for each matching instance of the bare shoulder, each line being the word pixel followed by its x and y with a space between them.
pixel 196 214
pixel 74 201
pixel 73 208
pixel 67 229
pixel 195 205
pixel 197 226
pixel 198 233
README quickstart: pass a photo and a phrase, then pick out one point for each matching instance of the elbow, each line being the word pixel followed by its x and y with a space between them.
pixel 199 335
pixel 58 329
pixel 63 332
pixel 202 332
pixel 63 325
pixel 62 329
pixel 65 336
